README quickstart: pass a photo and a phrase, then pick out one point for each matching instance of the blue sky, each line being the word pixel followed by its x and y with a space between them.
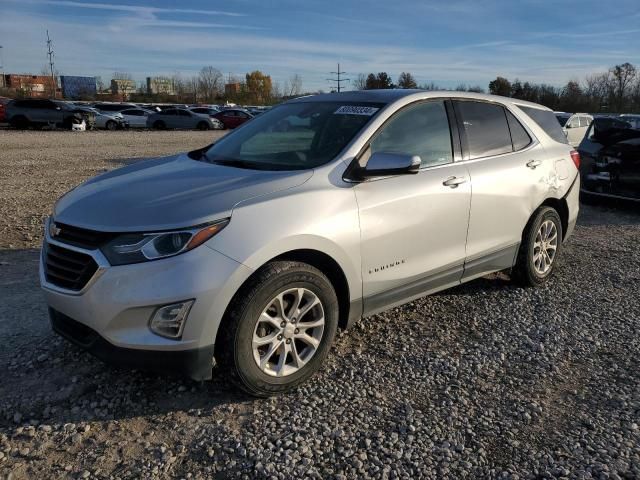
pixel 444 42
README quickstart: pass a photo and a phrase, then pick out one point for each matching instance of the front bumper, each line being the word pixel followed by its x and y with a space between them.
pixel 194 363
pixel 117 304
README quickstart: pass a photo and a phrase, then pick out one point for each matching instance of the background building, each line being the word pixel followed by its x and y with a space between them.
pixel 233 88
pixel 37 86
pixel 123 86
pixel 78 88
pixel 160 85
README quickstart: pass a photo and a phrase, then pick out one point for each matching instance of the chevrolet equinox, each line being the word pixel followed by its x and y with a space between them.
pixel 254 250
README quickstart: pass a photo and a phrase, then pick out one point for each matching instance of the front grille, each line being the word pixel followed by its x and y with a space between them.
pixel 81 237
pixel 67 268
pixel 72 330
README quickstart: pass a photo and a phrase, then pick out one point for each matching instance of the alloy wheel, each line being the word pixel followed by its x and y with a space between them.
pixel 288 332
pixel 545 247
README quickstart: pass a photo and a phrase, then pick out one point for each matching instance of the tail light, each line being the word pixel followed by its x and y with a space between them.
pixel 575 156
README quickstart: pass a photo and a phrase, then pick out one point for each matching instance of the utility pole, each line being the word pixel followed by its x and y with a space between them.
pixel 50 55
pixel 338 80
pixel 2 81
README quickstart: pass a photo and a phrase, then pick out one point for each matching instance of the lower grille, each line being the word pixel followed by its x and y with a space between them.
pixel 67 268
pixel 73 331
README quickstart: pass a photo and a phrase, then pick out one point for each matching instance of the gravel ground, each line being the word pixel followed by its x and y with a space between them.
pixel 483 381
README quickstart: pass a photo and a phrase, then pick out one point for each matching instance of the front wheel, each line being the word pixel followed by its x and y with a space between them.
pixel 159 125
pixel 203 126
pixel 279 329
pixel 539 249
pixel 111 125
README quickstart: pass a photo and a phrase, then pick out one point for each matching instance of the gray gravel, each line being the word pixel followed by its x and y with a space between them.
pixel 483 381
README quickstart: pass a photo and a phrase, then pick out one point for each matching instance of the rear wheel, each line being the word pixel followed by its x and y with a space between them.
pixel 279 328
pixel 159 125
pixel 540 247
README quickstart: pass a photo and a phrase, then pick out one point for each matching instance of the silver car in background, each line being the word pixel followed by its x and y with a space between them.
pixel 136 117
pixel 319 212
pixel 180 118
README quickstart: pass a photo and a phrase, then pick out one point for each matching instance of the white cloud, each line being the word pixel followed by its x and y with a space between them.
pixel 130 8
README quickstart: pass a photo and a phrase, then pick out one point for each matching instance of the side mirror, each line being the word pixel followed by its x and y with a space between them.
pixel 383 164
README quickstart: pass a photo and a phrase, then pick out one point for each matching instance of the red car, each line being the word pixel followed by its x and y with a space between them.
pixel 3 102
pixel 233 118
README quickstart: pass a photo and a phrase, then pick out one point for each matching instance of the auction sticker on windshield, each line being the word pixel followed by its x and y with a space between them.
pixel 356 110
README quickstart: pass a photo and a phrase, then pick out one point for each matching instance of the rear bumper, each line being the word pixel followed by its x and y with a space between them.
pixel 194 363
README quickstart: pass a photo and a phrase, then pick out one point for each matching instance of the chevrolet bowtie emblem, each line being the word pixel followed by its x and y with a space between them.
pixel 54 230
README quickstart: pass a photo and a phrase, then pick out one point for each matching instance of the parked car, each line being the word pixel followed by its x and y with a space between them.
pixel 211 112
pixel 611 166
pixel 136 117
pixel 107 121
pixel 3 103
pixel 179 118
pixel 576 127
pixel 113 107
pixel 31 112
pixel 632 119
pixel 257 248
pixel 233 117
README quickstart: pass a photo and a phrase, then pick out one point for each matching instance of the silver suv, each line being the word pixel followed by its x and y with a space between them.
pixel 326 209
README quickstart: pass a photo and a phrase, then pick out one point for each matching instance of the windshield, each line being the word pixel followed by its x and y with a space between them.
pixel 293 136
pixel 562 119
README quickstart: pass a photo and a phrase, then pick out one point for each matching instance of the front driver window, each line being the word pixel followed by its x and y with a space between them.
pixel 422 130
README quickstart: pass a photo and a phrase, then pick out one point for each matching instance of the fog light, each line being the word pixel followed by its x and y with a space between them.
pixel 168 321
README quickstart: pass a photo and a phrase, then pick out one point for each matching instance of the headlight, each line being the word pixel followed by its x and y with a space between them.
pixel 142 247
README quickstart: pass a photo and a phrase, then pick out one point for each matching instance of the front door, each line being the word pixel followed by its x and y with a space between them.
pixel 413 227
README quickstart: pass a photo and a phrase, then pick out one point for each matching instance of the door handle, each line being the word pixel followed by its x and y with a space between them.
pixel 532 164
pixel 453 182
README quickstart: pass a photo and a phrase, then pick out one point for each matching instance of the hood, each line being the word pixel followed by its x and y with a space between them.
pixel 167 193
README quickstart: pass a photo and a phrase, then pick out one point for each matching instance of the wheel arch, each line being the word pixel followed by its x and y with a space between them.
pixel 323 262
pixel 559 205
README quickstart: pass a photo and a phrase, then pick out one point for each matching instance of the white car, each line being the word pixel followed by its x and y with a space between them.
pixel 576 127
pixel 108 120
pixel 136 117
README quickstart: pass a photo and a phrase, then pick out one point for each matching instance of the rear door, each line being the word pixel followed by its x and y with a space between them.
pixel 414 227
pixel 508 170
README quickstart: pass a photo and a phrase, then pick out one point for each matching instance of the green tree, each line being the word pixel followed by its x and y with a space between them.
pixel 500 86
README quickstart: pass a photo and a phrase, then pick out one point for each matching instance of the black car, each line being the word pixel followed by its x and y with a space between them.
pixel 610 155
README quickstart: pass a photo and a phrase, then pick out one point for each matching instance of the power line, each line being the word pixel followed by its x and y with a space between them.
pixel 50 54
pixel 338 80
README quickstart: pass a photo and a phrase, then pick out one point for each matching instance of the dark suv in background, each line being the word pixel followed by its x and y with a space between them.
pixel 42 113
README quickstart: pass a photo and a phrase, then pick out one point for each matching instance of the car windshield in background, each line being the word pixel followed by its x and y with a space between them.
pixel 293 136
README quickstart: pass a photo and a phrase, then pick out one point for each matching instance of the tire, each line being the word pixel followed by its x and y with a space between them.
pixel 203 126
pixel 111 125
pixel 159 125
pixel 235 352
pixel 535 264
pixel 20 122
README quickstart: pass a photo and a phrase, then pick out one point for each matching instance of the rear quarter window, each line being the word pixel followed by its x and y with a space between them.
pixel 547 121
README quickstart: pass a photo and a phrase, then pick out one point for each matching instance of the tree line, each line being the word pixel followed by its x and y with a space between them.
pixel 615 91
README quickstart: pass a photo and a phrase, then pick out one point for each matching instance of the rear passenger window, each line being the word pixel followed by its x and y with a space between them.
pixel 422 129
pixel 519 136
pixel 486 128
pixel 546 120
